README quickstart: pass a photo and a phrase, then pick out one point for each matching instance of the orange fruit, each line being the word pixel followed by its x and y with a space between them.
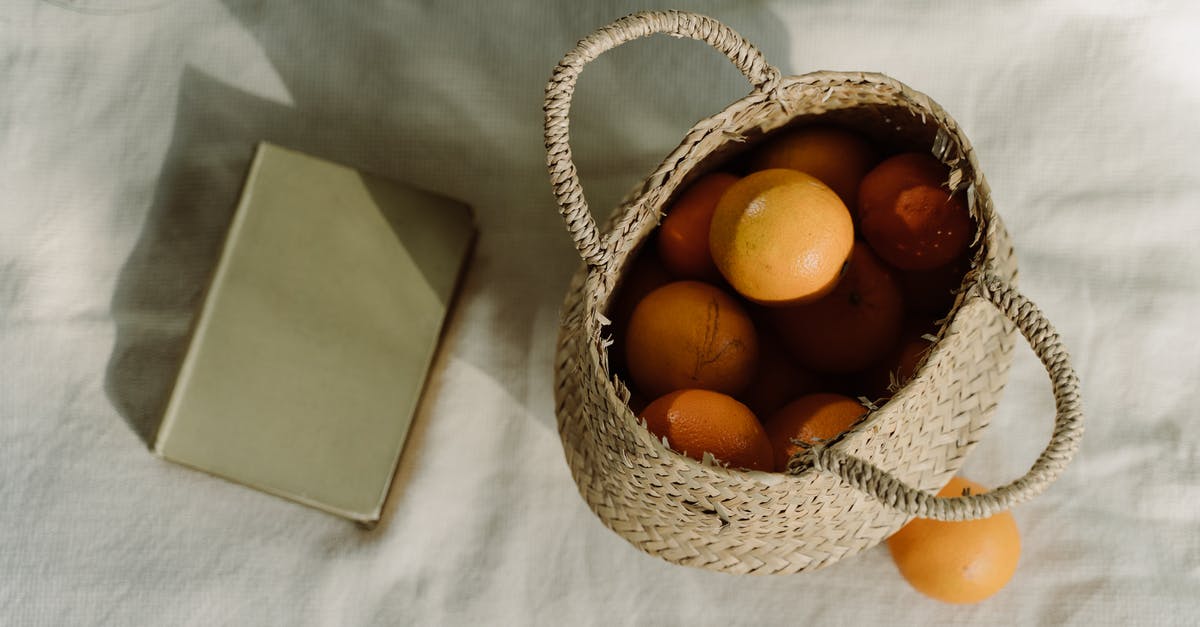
pixel 698 421
pixel 885 378
pixel 781 236
pixel 932 291
pixel 811 419
pixel 912 352
pixel 837 157
pixel 689 334
pixel 958 562
pixel 643 275
pixel 909 217
pixel 778 378
pixel 683 234
pixel 851 328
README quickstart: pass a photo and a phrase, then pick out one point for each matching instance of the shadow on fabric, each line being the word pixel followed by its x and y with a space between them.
pixel 397 90
pixel 162 283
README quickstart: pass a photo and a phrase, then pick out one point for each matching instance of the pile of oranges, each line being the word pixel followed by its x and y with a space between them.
pixel 775 293
pixel 770 299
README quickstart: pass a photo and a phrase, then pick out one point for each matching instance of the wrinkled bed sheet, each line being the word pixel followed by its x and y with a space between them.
pixel 125 130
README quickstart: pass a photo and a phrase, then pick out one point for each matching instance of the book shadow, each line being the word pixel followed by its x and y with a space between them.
pixel 363 91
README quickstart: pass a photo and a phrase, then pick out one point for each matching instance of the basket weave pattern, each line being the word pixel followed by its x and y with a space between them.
pixel 844 496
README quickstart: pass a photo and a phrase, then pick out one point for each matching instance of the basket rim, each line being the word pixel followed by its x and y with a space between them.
pixel 632 217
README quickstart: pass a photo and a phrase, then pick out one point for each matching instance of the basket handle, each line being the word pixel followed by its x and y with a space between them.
pixel 567 191
pixel 1068 429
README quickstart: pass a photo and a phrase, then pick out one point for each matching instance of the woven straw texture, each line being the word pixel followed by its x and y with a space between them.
pixel 845 496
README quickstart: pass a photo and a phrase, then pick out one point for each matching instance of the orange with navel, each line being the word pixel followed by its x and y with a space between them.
pixel 781 236
pixel 811 419
pixel 852 327
pixel 958 562
pixel 837 157
pixel 695 422
pixel 683 234
pixel 689 334
pixel 909 216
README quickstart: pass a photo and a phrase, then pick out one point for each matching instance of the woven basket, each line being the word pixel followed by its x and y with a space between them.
pixel 849 494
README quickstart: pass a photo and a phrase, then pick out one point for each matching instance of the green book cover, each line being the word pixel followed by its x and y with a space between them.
pixel 311 349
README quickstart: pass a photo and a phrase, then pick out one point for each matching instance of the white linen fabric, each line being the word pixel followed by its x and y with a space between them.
pixel 126 127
